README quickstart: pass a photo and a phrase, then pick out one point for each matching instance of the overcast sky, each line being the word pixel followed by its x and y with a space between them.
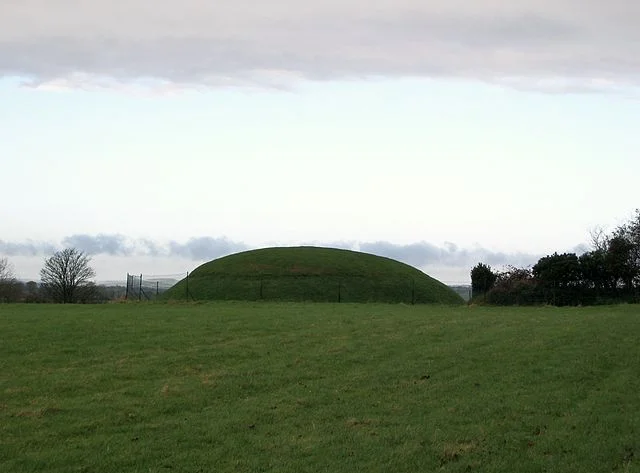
pixel 158 135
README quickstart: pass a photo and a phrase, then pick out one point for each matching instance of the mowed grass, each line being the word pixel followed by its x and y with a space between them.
pixel 266 387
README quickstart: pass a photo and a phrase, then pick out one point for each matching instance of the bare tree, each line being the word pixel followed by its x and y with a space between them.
pixel 599 239
pixel 66 274
pixel 6 270
pixel 10 287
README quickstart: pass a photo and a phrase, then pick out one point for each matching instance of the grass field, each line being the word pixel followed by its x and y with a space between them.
pixel 266 387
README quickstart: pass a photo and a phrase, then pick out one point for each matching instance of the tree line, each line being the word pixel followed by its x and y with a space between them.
pixel 66 277
pixel 608 273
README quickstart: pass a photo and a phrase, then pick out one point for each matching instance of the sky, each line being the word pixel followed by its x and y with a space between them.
pixel 156 136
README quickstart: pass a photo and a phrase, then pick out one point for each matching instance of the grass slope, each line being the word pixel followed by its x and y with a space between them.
pixel 311 274
pixel 290 388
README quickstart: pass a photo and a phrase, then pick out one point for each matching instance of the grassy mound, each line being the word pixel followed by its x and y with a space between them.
pixel 311 274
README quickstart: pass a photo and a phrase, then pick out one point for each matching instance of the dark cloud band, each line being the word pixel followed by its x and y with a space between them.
pixel 421 254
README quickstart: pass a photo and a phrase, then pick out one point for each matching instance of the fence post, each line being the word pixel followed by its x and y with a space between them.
pixel 140 289
pixel 157 289
pixel 126 291
pixel 413 292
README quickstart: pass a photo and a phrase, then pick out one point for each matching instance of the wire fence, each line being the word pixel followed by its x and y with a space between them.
pixel 149 287
pixel 144 287
pixel 462 288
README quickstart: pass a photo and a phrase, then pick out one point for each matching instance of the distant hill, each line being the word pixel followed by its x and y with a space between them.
pixel 311 274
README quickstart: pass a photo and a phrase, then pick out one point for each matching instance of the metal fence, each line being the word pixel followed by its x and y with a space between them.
pixel 145 287
pixel 149 287
pixel 320 288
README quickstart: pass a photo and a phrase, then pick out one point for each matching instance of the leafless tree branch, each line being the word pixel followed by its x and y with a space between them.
pixel 65 274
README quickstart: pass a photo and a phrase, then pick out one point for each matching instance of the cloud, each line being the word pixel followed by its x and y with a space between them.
pixel 555 45
pixel 114 245
pixel 205 248
pixel 198 249
pixel 26 248
pixel 421 254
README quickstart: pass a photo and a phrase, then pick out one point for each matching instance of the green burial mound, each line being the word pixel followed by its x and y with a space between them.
pixel 311 274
